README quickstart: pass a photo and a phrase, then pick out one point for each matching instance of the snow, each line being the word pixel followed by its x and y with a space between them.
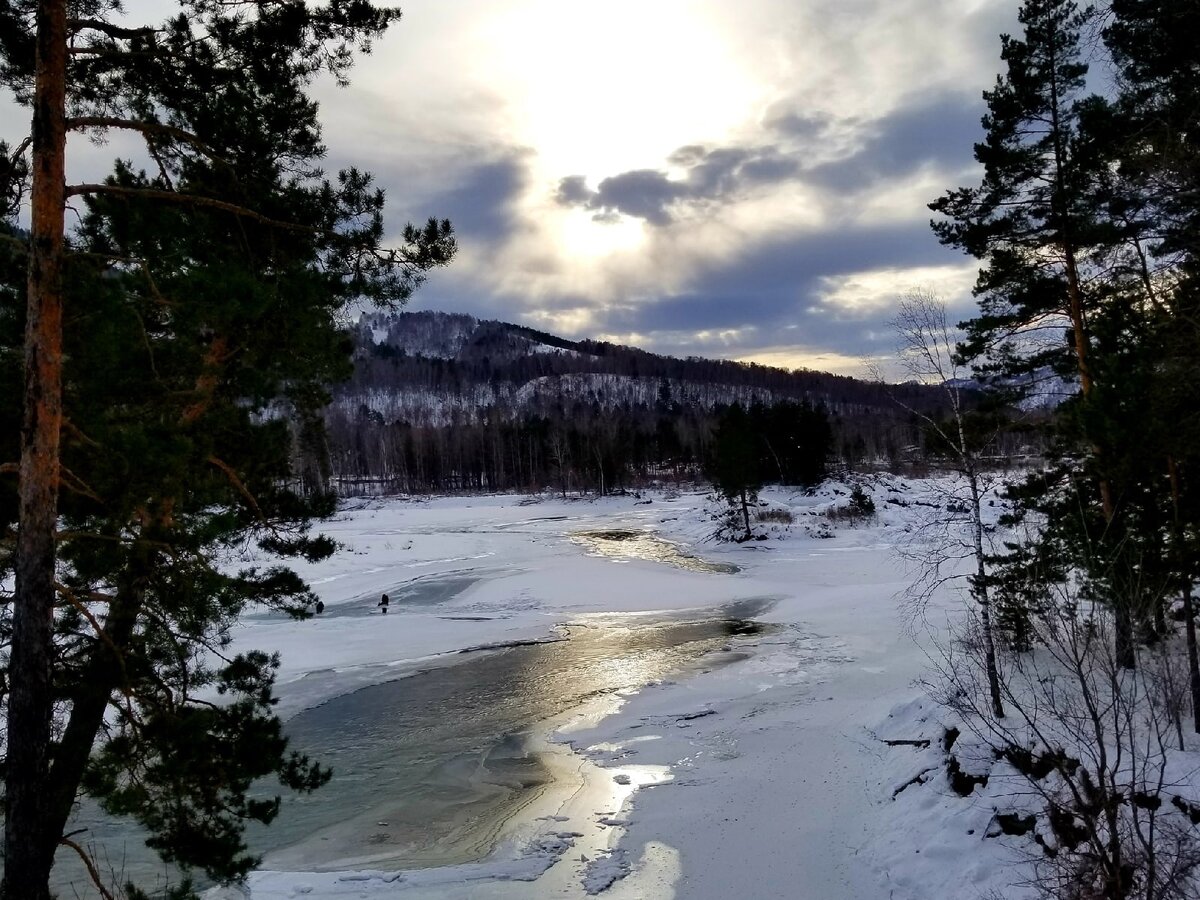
pixel 766 778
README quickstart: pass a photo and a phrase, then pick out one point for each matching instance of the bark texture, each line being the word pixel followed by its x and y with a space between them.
pixel 28 846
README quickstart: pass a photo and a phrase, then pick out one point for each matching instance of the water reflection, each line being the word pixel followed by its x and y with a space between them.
pixel 625 544
pixel 429 768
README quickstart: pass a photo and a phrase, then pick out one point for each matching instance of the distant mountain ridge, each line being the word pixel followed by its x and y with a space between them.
pixel 427 368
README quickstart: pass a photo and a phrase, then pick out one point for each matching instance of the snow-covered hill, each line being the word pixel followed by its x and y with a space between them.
pixel 437 369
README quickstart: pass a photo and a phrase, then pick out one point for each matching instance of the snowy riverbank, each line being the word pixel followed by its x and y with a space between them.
pixel 764 778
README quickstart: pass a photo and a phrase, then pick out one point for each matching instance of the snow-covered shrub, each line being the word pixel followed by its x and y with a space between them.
pixel 858 508
pixel 1093 753
pixel 776 515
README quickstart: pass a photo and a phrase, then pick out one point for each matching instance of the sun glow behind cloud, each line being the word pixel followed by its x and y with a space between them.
pixel 733 168
pixel 608 87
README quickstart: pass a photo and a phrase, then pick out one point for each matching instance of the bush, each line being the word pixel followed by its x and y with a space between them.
pixel 860 506
pixel 781 516
pixel 861 503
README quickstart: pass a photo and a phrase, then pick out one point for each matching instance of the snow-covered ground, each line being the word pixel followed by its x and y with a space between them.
pixel 768 777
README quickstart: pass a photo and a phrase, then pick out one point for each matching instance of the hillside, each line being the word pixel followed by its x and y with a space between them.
pixel 432 368
pixel 442 401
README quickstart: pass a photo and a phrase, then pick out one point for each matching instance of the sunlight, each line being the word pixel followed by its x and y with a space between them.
pixel 581 236
pixel 804 358
pixel 878 290
pixel 606 89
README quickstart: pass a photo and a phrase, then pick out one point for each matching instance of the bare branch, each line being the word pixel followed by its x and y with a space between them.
pixel 93 872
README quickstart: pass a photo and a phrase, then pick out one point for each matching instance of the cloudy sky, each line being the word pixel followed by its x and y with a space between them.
pixel 697 177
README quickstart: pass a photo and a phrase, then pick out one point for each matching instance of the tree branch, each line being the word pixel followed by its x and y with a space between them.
pixel 77 485
pixel 74 26
pixel 80 123
pixel 93 872
pixel 76 190
pixel 239 485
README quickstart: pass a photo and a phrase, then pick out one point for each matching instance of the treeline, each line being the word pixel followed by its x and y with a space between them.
pixel 583 449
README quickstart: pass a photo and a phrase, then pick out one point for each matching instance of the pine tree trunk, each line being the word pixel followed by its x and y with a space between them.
pixel 101 676
pixel 1126 652
pixel 746 515
pixel 28 847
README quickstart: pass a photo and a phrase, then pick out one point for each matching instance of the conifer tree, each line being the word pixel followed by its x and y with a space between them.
pixel 1039 223
pixel 734 465
pixel 1030 221
pixel 1155 138
pixel 165 344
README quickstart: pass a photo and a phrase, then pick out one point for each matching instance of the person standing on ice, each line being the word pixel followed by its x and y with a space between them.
pixel 384 604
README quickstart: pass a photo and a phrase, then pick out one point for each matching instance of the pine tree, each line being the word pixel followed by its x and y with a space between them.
pixel 1040 222
pixel 735 463
pixel 1155 128
pixel 1030 219
pixel 167 342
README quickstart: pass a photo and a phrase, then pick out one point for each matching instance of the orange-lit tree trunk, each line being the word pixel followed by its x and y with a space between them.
pixel 28 847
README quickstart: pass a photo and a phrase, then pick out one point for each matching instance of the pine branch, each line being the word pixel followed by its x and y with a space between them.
pixel 80 123
pixel 113 31
pixel 76 485
pixel 21 148
pixel 19 246
pixel 76 190
pixel 72 429
pixel 240 486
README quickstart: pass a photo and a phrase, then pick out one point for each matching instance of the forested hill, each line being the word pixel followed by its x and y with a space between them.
pixel 434 393
pixel 432 367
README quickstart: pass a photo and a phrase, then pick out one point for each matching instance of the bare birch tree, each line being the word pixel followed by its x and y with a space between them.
pixel 926 351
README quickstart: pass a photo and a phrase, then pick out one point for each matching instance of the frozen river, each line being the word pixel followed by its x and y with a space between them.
pixel 580 697
pixel 435 764
pixel 428 769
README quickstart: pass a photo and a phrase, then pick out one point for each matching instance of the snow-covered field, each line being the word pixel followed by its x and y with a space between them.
pixel 764 778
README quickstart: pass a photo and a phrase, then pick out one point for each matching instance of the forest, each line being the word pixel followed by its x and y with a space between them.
pixel 444 403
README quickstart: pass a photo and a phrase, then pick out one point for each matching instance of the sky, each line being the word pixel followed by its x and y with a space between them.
pixel 743 180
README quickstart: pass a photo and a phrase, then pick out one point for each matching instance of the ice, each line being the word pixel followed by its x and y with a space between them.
pixel 778 786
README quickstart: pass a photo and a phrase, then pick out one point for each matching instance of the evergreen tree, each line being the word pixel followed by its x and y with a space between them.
pixel 1040 222
pixel 1156 144
pixel 1030 221
pixel 166 344
pixel 735 463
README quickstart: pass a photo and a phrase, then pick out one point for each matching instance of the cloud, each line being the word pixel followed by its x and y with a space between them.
pixel 482 204
pixel 939 132
pixel 736 179
pixel 721 174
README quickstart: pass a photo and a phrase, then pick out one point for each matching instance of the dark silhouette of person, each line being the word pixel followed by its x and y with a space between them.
pixel 384 604
pixel 320 607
